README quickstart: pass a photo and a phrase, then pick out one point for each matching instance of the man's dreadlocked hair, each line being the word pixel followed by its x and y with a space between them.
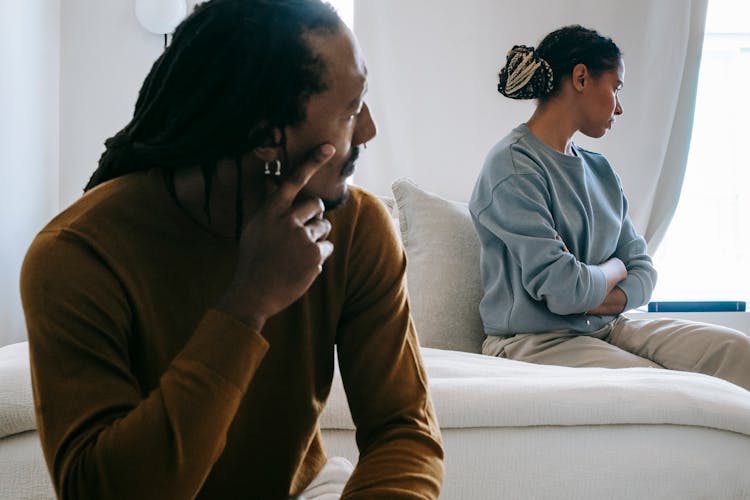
pixel 235 70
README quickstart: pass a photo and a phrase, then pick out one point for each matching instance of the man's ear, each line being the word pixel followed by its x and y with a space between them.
pixel 269 151
pixel 580 76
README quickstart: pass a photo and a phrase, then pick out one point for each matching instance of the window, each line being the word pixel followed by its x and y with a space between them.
pixel 705 254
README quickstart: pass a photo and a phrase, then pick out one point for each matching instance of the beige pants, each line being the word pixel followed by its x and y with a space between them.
pixel 659 343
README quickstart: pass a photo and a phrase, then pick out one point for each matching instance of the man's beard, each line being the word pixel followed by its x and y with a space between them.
pixel 336 203
pixel 346 170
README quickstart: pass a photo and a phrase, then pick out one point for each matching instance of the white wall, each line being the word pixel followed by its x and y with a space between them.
pixel 69 77
pixel 104 56
pixel 29 126
pixel 433 91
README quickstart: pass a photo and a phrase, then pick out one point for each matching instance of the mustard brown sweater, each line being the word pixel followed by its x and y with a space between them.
pixel 143 390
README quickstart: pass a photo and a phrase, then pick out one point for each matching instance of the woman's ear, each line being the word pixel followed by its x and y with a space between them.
pixel 269 151
pixel 580 76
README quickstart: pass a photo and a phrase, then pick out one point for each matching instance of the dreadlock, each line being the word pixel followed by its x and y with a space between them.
pixel 235 70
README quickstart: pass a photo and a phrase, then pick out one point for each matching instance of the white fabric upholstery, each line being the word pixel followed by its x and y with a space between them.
pixel 16 414
pixel 475 391
pixel 330 481
pixel 443 278
pixel 23 472
pixel 591 462
pixel 519 430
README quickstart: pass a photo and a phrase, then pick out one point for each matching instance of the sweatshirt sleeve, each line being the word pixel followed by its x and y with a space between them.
pixel 631 250
pixel 102 436
pixel 398 436
pixel 517 213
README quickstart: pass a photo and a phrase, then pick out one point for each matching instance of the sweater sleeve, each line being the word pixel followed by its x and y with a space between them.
pixel 631 250
pixel 102 436
pixel 518 214
pixel 398 436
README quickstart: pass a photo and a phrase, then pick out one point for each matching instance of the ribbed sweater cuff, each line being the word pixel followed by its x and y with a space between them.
pixel 227 346
pixel 599 287
pixel 633 291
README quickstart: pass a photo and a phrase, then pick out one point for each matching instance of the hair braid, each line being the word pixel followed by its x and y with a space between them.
pixel 538 73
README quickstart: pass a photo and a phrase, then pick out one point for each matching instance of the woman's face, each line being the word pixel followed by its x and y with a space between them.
pixel 600 104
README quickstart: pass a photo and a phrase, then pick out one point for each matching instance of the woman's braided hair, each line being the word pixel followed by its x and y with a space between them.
pixel 538 73
pixel 235 70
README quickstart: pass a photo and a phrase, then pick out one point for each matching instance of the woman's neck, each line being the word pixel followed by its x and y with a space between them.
pixel 551 123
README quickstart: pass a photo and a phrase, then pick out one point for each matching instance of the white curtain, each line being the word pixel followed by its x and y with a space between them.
pixel 433 70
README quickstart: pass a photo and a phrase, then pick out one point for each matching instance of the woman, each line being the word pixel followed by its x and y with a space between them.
pixel 560 256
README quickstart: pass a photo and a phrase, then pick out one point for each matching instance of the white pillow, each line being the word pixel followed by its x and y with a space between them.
pixel 16 399
pixel 442 270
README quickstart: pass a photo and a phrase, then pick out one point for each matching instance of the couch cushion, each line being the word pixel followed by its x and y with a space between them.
pixel 16 402
pixel 476 391
pixel 443 277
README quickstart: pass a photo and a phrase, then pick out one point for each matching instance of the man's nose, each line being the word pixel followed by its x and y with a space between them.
pixel 366 128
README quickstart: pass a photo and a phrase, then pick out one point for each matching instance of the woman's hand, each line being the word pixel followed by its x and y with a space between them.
pixel 615 300
pixel 282 249
pixel 614 303
pixel 614 271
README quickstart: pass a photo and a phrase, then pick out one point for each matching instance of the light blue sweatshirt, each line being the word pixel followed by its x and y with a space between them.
pixel 545 221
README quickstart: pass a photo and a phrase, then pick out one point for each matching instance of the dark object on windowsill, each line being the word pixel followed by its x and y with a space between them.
pixel 697 306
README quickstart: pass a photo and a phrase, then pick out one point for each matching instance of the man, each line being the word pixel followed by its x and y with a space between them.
pixel 183 313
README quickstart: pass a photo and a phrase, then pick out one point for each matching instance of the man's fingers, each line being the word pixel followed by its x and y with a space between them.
pixel 311 208
pixel 290 188
pixel 326 249
pixel 318 229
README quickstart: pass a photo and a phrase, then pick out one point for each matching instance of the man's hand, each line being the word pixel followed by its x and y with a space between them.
pixel 282 248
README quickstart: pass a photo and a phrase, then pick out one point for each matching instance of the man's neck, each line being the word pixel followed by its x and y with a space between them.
pixel 220 213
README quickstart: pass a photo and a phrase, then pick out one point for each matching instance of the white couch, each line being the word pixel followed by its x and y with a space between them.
pixel 511 430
